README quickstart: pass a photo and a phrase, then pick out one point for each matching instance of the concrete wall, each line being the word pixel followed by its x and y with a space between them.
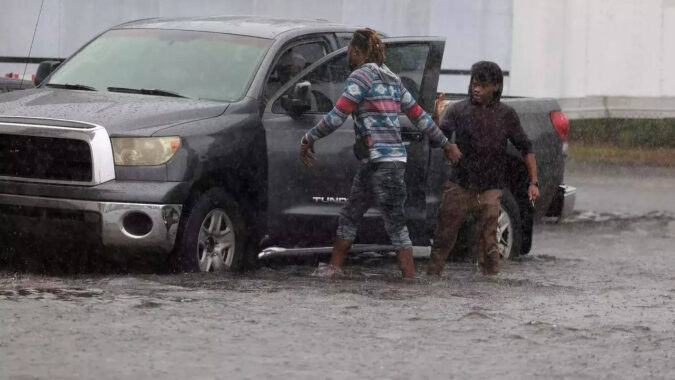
pixel 581 48
pixel 475 29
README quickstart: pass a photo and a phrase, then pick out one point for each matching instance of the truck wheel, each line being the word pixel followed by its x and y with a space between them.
pixel 213 236
pixel 509 229
pixel 7 253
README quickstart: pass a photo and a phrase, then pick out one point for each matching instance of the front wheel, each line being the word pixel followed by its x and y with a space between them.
pixel 213 236
pixel 509 228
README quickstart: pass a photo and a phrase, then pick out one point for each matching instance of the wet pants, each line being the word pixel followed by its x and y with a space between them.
pixel 385 183
pixel 456 204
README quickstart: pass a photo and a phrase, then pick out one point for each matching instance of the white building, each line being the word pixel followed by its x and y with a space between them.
pixel 603 52
pixel 600 57
pixel 475 29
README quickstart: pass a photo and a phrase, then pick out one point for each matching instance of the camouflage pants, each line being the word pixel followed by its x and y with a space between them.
pixel 384 183
pixel 456 204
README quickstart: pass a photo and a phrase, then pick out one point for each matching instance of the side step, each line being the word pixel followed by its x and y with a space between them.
pixel 298 252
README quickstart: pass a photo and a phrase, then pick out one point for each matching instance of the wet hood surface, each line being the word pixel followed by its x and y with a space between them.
pixel 119 113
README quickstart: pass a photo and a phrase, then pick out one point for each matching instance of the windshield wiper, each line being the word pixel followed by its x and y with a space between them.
pixel 145 91
pixel 69 86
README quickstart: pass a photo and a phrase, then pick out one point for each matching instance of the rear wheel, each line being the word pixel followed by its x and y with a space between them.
pixel 214 237
pixel 509 228
pixel 7 252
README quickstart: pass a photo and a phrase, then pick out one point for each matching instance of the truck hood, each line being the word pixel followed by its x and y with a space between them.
pixel 119 113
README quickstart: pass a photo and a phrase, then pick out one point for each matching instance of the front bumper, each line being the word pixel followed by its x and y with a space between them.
pixel 562 205
pixel 116 224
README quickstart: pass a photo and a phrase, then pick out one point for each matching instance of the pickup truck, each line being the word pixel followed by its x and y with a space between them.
pixel 180 138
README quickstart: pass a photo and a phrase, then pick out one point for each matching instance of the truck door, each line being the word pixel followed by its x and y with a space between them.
pixel 304 203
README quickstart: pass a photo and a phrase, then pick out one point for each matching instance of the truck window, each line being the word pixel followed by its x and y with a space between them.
pixel 409 61
pixel 327 81
pixel 343 39
pixel 197 65
pixel 291 63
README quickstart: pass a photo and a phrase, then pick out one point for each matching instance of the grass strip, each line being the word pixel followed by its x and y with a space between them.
pixel 624 133
pixel 612 154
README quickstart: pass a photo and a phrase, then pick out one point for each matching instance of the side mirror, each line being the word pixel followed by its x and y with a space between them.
pixel 44 70
pixel 298 101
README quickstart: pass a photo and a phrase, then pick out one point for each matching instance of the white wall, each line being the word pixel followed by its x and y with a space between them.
pixel 475 29
pixel 579 48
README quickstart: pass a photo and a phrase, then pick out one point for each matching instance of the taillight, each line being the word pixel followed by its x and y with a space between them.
pixel 561 124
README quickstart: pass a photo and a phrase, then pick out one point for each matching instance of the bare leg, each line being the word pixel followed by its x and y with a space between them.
pixel 406 263
pixel 340 249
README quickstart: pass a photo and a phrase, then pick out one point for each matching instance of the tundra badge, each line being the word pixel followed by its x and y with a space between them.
pixel 329 199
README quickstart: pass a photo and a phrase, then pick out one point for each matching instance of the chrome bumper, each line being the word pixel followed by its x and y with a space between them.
pixel 123 225
pixel 569 196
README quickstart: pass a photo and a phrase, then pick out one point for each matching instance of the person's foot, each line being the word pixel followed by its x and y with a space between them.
pixel 491 265
pixel 328 271
pixel 434 270
pixel 406 263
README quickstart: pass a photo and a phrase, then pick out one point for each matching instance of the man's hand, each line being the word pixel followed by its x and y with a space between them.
pixel 307 154
pixel 533 192
pixel 452 152
pixel 439 107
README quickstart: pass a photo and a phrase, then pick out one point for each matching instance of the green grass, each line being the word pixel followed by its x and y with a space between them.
pixel 623 141
pixel 624 133
pixel 609 154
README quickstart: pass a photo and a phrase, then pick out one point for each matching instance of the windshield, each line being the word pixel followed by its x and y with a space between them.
pixel 197 65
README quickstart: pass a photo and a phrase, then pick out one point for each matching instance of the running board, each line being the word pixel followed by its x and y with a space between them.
pixel 298 252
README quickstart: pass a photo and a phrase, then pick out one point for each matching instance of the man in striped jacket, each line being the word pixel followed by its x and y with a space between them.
pixel 374 96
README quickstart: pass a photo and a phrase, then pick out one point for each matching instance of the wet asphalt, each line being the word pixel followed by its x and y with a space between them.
pixel 594 299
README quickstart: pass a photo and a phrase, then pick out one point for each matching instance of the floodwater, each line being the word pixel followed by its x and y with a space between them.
pixel 594 299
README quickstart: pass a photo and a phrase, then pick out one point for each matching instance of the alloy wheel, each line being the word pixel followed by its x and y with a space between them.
pixel 216 242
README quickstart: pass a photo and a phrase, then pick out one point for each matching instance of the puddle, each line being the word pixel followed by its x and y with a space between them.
pixel 64 294
pixel 603 217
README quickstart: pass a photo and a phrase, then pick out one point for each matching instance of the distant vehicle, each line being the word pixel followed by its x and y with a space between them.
pixel 180 137
pixel 9 84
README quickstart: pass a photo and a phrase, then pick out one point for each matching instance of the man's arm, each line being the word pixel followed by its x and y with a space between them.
pixel 421 119
pixel 520 140
pixel 327 125
pixel 356 88
pixel 448 126
pixel 332 121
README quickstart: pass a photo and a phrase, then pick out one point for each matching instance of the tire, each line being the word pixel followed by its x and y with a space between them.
pixel 509 228
pixel 213 236
pixel 7 251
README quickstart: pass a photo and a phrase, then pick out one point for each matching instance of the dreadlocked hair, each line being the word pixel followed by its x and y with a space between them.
pixel 370 44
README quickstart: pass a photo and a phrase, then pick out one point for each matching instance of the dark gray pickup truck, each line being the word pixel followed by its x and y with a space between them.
pixel 180 137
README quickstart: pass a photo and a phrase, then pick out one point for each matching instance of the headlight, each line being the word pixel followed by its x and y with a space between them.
pixel 144 150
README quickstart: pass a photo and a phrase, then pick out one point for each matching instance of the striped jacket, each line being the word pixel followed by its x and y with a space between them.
pixel 374 96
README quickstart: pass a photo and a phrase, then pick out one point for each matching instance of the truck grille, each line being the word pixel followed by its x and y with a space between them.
pixel 45 158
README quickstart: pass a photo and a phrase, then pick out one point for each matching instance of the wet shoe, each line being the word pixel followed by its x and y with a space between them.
pixel 328 271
